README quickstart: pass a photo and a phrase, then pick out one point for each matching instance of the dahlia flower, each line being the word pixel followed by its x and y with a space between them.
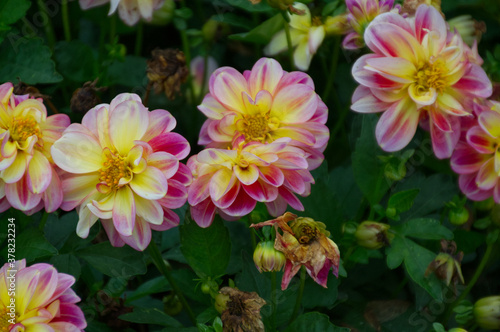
pixel 263 105
pixel 130 11
pixel 38 298
pixel 233 181
pixel 306 34
pixel 28 177
pixel 360 14
pixel 304 242
pixel 419 71
pixel 477 158
pixel 123 167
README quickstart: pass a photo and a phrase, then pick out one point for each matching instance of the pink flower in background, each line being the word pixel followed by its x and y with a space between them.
pixel 477 158
pixel 360 14
pixel 418 71
pixel 197 68
pixel 123 167
pixel 233 181
pixel 43 300
pixel 130 11
pixel 28 177
pixel 263 105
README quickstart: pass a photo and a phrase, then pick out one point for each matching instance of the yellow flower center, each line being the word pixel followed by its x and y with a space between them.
pixel 431 75
pixel 23 128
pixel 114 168
pixel 257 127
pixel 4 320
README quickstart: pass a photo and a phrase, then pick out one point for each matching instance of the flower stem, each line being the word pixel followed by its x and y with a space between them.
pixel 138 39
pixel 288 39
pixel 165 270
pixel 49 29
pixel 274 293
pixel 472 282
pixel 187 54
pixel 333 69
pixel 205 74
pixel 299 295
pixel 65 17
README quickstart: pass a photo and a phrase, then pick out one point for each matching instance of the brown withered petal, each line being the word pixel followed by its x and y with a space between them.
pixel 242 312
pixel 410 6
pixel 166 71
pixel 85 98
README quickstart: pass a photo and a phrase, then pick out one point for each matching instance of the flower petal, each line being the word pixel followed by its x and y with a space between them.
pixel 176 195
pixel 17 169
pixel 160 121
pixel 124 211
pixel 487 177
pixel 242 205
pixel 39 173
pixel 444 142
pixel 294 104
pixel 363 101
pixel 150 184
pixel 150 211
pixel 220 183
pixel 128 122
pixel 140 238
pixel 466 160
pixel 490 121
pixel 19 195
pixel 475 82
pixel 480 140
pixel 226 85
pixel 247 175
pixel 172 143
pixel 265 75
pixel 261 191
pixel 203 213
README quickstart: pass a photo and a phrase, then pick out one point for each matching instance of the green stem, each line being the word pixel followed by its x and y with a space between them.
pixel 471 284
pixel 299 295
pixel 43 221
pixel 165 270
pixel 252 232
pixel 138 39
pixel 333 69
pixel 205 74
pixel 65 17
pixel 49 29
pixel 187 54
pixel 112 28
pixel 274 293
pixel 288 39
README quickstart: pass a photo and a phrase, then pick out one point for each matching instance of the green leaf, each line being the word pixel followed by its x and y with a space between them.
pixel 75 61
pixel 129 73
pixel 31 244
pixel 115 262
pixel 234 20
pixel 251 280
pixel 57 230
pixel 314 322
pixel 425 228
pixel 403 200
pixel 67 263
pixel 367 167
pixel 206 249
pixel 317 296
pixel 13 10
pixel 248 6
pixel 263 33
pixel 27 59
pixel 152 286
pixel 395 252
pixel 150 316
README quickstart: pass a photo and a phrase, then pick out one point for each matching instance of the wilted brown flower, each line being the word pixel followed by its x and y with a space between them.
pixel 85 98
pixel 446 265
pixel 22 88
pixel 410 6
pixel 167 70
pixel 241 310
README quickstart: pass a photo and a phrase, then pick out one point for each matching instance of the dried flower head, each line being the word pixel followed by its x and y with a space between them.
pixel 446 265
pixel 410 6
pixel 241 311
pixel 167 70
pixel 85 98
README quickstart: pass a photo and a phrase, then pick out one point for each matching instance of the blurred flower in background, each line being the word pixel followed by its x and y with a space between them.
pixel 130 11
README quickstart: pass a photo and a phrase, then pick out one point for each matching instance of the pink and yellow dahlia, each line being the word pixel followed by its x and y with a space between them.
pixel 419 71
pixel 477 158
pixel 233 181
pixel 28 178
pixel 360 14
pixel 123 167
pixel 263 105
pixel 38 298
pixel 130 11
pixel 304 242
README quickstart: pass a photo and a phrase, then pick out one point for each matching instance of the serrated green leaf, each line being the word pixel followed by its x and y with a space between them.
pixel 425 228
pixel 263 33
pixel 31 244
pixel 67 263
pixel 206 249
pixel 150 316
pixel 367 168
pixel 75 61
pixel 115 262
pixel 13 10
pixel 27 59
pixel 403 200
pixel 314 322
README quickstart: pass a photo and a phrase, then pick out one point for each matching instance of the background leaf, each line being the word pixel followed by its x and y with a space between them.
pixel 314 322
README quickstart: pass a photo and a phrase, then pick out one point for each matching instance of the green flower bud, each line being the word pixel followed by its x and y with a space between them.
pixel 395 169
pixel 268 259
pixel 458 216
pixel 373 235
pixel 221 302
pixel 164 15
pixel 487 312
pixel 172 305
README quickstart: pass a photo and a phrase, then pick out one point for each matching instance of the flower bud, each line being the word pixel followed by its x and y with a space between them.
pixel 446 265
pixel 268 259
pixel 487 312
pixel 164 15
pixel 171 304
pixel 280 4
pixel 221 302
pixel 85 98
pixel 458 215
pixel 373 235
pixel 468 28
pixel 336 25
